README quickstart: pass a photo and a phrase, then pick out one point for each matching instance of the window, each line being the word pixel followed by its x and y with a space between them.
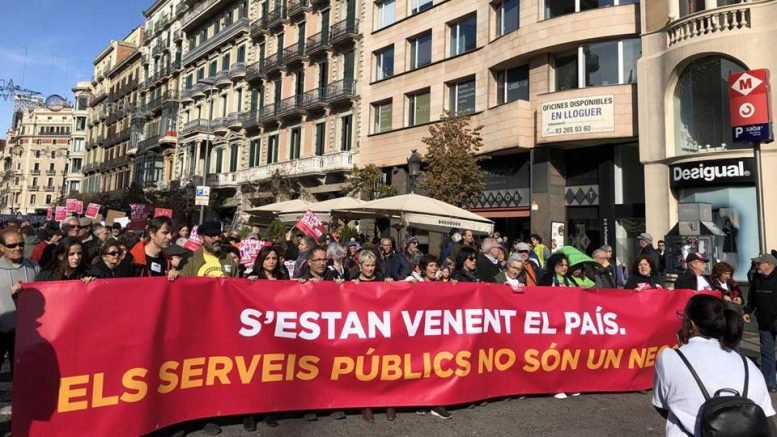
pixel 601 63
pixel 254 152
pixel 346 132
pixel 219 159
pixel 419 6
pixel 557 8
pixel 83 103
pixel 76 165
pixel 701 107
pixel 512 84
pixel 33 199
pixel 241 54
pixel 320 138
pixel 48 199
pixel 80 123
pixel 272 149
pixel 462 97
pixel 295 143
pixel 78 144
pixel 384 63
pixel 50 182
pixel 463 35
pixel 225 62
pixel 421 50
pixel 233 156
pixel 386 13
pixel 382 117
pixel 418 108
pixel 51 166
pixel 200 74
pixel 213 68
pixel 632 51
pixel 507 17
pixel 566 71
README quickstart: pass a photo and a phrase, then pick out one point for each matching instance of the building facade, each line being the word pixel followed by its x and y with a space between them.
pixel 685 122
pixel 35 160
pixel 77 154
pixel 552 82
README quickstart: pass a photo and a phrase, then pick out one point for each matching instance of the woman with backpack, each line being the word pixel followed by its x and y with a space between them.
pixel 708 336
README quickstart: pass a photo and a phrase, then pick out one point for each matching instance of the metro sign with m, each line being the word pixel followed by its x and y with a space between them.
pixel 749 105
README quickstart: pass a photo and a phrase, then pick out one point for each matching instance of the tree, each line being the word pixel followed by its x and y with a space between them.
pixel 453 174
pixel 367 183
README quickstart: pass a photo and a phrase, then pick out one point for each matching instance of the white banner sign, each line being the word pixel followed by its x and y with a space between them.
pixel 577 116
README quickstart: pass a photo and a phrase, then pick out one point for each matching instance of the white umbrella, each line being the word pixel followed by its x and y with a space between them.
pixel 321 209
pixel 271 210
pixel 425 213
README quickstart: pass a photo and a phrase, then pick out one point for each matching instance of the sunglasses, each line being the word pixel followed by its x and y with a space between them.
pixel 114 253
pixel 471 258
pixel 14 245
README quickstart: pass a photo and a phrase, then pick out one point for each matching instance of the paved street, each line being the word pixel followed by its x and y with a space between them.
pixel 618 414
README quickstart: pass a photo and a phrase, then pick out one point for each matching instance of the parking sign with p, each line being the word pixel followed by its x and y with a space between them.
pixel 751 116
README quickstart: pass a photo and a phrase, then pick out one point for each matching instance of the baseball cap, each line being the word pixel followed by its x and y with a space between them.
pixel 696 256
pixel 520 247
pixel 84 221
pixel 211 228
pixel 767 258
pixel 645 236
pixel 175 250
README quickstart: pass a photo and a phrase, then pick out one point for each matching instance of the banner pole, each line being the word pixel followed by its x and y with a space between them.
pixel 759 201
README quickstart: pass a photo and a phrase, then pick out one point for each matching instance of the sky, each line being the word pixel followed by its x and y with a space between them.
pixel 61 38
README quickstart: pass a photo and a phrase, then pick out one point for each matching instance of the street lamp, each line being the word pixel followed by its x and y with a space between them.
pixel 414 168
pixel 211 87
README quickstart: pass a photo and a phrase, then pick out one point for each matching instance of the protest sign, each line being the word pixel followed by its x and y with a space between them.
pixel 60 213
pixel 138 216
pixel 112 215
pixel 311 225
pixel 92 210
pixel 163 211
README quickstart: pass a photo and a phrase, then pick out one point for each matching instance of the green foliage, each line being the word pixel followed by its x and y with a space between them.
pixel 276 232
pixel 348 232
pixel 367 181
pixel 453 174
pixel 245 230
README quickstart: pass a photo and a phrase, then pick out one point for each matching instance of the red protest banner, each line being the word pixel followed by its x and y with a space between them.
pixel 234 347
pixel 92 210
pixel 249 249
pixel 311 225
pixel 71 205
pixel 163 211
pixel 138 216
pixel 60 214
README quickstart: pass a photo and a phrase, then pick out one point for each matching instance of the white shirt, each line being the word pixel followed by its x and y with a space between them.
pixel 702 284
pixel 675 389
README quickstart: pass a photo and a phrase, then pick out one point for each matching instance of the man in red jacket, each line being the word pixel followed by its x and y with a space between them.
pixel 147 256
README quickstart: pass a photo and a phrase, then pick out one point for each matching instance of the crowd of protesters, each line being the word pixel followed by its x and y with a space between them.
pixel 78 249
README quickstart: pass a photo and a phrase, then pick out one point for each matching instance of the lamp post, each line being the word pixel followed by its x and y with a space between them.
pixel 210 89
pixel 414 168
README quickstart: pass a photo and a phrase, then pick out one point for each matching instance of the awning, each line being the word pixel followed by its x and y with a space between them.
pixel 268 212
pixel 321 209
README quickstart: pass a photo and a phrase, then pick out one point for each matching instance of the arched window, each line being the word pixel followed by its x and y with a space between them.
pixel 701 110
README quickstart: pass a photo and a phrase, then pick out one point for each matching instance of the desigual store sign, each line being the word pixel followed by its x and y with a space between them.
pixel 712 173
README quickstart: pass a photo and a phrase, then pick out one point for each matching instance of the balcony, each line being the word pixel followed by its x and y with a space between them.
pixel 291 106
pixel 234 120
pixel 269 113
pixel 720 20
pixel 222 79
pixel 199 13
pixel 144 58
pixel 88 168
pixel 33 188
pixel 255 71
pixel 222 179
pixel 227 33
pixel 294 53
pixel 312 165
pixel 35 172
pixel 170 96
pixel 259 28
pixel 159 49
pixel 198 90
pixel 169 138
pixel 297 8
pixel 341 91
pixel 276 17
pixel 186 96
pixel 272 64
pixel 250 119
pixel 148 143
pixel 181 8
pixel 99 97
pixel 177 35
pixel 344 32
pixel 237 71
pixel 195 126
pixel 51 172
pixel 219 125
pixel 50 189
pixel 317 44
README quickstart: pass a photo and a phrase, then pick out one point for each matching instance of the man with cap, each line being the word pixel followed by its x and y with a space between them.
pixel 176 254
pixel 694 278
pixel 762 300
pixel 530 263
pixel 647 249
pixel 210 260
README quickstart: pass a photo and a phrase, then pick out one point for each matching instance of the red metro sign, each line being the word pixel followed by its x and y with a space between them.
pixel 749 105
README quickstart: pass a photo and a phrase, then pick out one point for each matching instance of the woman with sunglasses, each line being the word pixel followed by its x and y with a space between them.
pixel 268 265
pixel 466 266
pixel 708 340
pixel 110 264
pixel 67 263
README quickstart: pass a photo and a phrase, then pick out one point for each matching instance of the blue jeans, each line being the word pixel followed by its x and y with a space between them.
pixel 768 364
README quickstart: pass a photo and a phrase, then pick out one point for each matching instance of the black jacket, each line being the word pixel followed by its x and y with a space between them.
pixel 102 271
pixel 689 281
pixel 391 267
pixel 331 274
pixel 465 276
pixel 762 300
pixel 54 275
pixel 487 270
pixel 635 280
pixel 604 277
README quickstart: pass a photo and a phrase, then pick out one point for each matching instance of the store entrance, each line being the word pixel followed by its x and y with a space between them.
pixel 584 234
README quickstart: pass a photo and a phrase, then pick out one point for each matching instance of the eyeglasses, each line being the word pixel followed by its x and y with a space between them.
pixel 14 245
pixel 523 251
pixel 114 253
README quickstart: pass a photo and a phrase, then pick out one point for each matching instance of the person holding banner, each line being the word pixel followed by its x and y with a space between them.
pixel 316 262
pixel 643 275
pixel 336 270
pixel 466 266
pixel 210 260
pixel 268 265
pixel 557 272
pixel 428 270
pixel 67 264
pixel 147 256
pixel 368 270
pixel 109 265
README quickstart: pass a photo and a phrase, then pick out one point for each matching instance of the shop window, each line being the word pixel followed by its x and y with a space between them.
pixel 701 107
pixel 386 13
pixel 382 116
pixel 384 63
pixel 512 84
pixel 462 97
pixel 507 17
pixel 420 50
pixel 463 35
pixel 557 8
pixel 418 107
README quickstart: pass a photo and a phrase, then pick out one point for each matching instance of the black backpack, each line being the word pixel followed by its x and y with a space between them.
pixel 729 416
